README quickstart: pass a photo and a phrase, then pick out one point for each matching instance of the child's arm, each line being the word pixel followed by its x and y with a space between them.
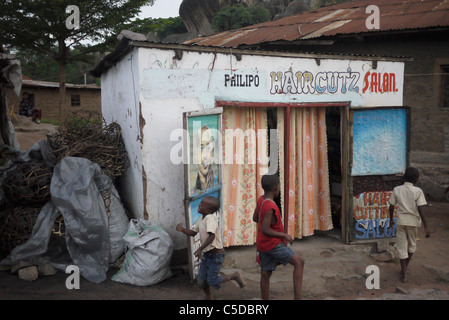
pixel 391 209
pixel 421 214
pixel 208 241
pixel 180 228
pixel 266 230
pixel 256 216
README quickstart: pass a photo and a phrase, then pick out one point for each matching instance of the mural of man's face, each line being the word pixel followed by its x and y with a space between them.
pixel 207 146
pixel 207 154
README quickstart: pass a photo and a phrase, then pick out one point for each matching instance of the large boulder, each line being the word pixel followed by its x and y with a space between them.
pixel 197 14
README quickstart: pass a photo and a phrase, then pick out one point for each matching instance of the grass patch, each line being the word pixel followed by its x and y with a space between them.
pixel 50 121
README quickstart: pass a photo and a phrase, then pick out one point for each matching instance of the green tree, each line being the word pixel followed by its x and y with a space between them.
pixel 239 16
pixel 40 26
pixel 39 66
pixel 160 26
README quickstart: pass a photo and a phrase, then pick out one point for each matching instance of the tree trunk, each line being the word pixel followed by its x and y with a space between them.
pixel 62 92
pixel 62 61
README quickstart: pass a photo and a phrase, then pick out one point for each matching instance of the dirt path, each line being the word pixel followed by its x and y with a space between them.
pixel 29 132
pixel 337 271
pixel 333 270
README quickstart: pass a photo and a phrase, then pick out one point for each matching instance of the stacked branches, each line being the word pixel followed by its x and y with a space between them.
pixel 28 183
pixel 88 137
pixel 16 226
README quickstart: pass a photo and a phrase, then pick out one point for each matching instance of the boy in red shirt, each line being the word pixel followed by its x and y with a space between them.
pixel 271 240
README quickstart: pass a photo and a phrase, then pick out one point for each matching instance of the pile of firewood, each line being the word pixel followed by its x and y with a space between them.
pixel 89 138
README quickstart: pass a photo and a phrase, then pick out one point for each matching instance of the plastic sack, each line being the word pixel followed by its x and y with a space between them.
pixel 147 260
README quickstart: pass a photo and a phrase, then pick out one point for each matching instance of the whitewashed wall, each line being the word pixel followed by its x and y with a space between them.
pixel 120 103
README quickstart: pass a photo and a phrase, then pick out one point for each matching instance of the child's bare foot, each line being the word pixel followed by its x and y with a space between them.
pixel 238 278
pixel 404 278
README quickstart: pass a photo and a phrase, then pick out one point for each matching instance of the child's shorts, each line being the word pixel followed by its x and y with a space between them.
pixel 209 268
pixel 406 240
pixel 270 259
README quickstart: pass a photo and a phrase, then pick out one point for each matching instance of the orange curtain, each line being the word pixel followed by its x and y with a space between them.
pixel 308 189
pixel 245 160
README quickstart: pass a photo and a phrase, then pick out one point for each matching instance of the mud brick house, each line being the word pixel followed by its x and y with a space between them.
pixel 418 29
pixel 45 95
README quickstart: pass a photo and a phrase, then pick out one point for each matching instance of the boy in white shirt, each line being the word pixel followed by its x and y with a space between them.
pixel 410 201
pixel 211 251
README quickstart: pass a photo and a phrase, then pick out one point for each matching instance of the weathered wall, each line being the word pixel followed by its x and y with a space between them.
pixel 120 103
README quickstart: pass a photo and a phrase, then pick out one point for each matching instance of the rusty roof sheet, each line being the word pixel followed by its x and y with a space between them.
pixel 343 18
pixel 47 84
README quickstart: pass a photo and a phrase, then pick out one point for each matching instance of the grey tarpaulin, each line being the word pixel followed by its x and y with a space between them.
pixel 76 193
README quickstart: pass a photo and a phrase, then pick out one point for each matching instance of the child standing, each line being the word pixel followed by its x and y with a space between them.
pixel 211 251
pixel 410 201
pixel 271 240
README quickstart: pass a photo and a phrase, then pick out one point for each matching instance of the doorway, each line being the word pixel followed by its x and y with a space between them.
pixel 334 146
pixel 286 120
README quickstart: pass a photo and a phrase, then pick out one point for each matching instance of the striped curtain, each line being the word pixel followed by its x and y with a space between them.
pixel 245 160
pixel 308 189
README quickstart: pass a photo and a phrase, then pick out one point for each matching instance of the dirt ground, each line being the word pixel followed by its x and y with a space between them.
pixel 29 132
pixel 333 270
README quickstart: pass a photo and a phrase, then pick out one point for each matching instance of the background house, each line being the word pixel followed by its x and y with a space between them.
pixel 414 28
pixel 45 96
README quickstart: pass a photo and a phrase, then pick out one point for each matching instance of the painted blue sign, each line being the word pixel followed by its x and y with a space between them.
pixel 379 141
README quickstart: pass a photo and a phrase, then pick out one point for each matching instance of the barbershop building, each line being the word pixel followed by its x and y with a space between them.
pixel 210 120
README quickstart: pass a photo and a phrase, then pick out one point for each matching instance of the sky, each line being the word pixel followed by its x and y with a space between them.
pixel 161 9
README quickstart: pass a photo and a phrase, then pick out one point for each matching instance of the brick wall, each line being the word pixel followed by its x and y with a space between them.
pixel 47 99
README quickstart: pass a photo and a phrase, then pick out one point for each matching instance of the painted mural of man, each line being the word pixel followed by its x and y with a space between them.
pixel 206 175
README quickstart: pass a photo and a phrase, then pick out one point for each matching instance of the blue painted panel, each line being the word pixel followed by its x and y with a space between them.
pixel 379 141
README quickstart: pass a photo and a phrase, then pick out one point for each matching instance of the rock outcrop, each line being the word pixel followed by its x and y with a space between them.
pixel 197 14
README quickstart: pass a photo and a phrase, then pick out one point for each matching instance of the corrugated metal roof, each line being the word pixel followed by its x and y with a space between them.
pixel 48 84
pixel 343 18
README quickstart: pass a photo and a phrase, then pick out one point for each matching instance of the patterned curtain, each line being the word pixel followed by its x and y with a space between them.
pixel 308 190
pixel 245 160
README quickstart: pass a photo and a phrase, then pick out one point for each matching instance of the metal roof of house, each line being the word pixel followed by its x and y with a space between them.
pixel 47 84
pixel 347 18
